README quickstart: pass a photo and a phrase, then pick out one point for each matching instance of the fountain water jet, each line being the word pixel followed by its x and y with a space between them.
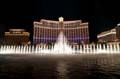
pixel 61 46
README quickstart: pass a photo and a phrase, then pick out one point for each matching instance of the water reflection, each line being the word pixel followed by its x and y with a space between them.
pixel 62 70
pixel 74 67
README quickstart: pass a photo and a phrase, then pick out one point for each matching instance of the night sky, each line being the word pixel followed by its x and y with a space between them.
pixel 22 13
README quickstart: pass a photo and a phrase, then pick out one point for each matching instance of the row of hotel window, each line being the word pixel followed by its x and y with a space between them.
pixel 57 23
pixel 47 33
pixel 57 26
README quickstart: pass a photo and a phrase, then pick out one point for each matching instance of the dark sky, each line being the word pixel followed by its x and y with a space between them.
pixel 22 13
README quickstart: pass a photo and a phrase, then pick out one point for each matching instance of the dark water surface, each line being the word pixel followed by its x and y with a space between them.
pixel 60 67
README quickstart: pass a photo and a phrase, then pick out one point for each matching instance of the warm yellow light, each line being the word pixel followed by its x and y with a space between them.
pixel 61 19
pixel 118 24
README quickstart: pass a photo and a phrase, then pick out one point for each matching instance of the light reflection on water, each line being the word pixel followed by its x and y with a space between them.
pixel 62 70
pixel 66 67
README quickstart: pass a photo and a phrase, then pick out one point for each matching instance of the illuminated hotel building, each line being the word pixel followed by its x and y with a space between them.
pixel 118 31
pixel 47 31
pixel 112 35
pixel 107 36
pixel 16 36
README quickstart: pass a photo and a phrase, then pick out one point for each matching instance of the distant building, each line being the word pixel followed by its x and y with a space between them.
pixel 47 31
pixel 118 31
pixel 112 35
pixel 16 36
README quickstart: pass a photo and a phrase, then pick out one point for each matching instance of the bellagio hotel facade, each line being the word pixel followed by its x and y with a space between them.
pixel 47 31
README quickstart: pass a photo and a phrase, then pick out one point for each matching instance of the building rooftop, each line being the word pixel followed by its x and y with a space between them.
pixel 112 31
pixel 16 30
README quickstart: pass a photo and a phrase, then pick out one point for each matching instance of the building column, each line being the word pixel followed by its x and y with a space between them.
pixel 37 34
pixel 49 34
pixel 34 37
